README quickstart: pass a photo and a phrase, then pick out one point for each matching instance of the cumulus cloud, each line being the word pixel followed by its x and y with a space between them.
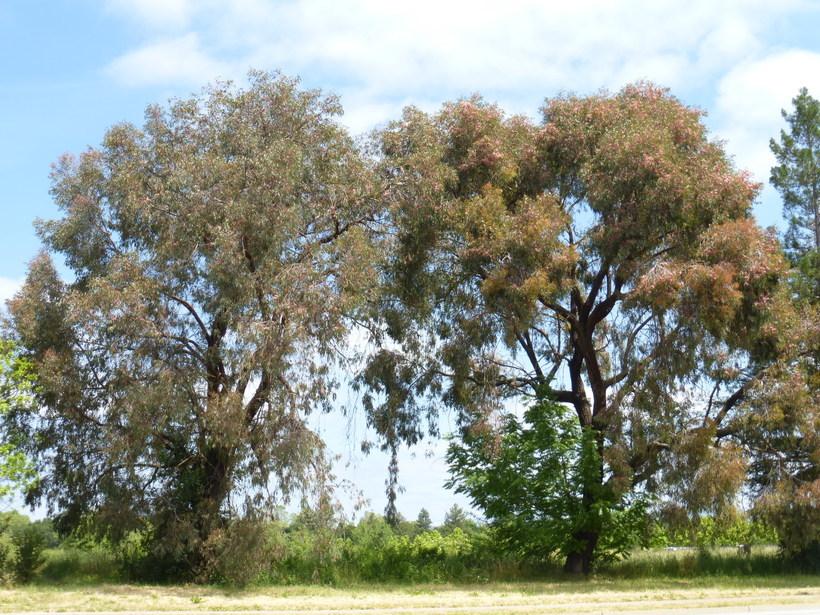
pixel 747 115
pixel 450 48
pixel 175 61
pixel 463 46
pixel 750 98
pixel 381 56
pixel 162 14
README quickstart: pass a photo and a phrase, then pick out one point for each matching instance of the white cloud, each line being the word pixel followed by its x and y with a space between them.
pixel 160 14
pixel 750 99
pixel 455 47
pixel 380 56
pixel 747 114
pixel 727 43
pixel 174 61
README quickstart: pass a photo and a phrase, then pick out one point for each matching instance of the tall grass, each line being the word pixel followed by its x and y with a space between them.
pixel 373 552
pixel 402 562
pixel 70 565
pixel 700 562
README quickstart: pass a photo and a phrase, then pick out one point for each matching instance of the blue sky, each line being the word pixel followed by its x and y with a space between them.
pixel 72 68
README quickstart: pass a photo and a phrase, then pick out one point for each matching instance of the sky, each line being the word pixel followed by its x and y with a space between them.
pixel 70 69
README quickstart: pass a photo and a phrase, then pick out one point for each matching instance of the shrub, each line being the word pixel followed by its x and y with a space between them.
pixel 70 564
pixel 6 557
pixel 236 555
pixel 30 545
pixel 300 554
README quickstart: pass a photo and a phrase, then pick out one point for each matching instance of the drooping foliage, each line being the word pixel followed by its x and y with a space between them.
pixel 610 250
pixel 215 256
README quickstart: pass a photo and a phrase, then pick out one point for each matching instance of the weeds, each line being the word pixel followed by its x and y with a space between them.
pixel 371 552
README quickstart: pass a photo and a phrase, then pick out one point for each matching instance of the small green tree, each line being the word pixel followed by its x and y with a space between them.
pixel 16 389
pixel 531 479
pixel 423 521
pixel 456 518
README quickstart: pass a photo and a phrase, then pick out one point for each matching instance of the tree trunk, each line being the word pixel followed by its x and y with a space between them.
pixel 580 561
pixel 214 488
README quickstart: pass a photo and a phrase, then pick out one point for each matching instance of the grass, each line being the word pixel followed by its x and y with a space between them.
pixel 78 580
pixel 687 563
pixel 594 594
pixel 74 566
pixel 71 566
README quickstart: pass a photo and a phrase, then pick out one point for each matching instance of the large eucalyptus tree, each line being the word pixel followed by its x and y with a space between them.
pixel 608 252
pixel 214 257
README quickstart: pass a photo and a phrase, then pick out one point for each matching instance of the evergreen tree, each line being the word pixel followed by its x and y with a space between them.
pixel 456 517
pixel 423 521
pixel 797 178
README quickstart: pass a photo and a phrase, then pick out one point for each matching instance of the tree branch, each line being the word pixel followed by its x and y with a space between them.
pixel 193 312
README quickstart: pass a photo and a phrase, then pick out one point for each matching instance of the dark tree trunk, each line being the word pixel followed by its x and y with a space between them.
pixel 580 561
pixel 214 488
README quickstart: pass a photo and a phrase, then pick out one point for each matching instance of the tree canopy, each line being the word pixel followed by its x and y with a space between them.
pixel 610 249
pixel 216 256
pixel 219 256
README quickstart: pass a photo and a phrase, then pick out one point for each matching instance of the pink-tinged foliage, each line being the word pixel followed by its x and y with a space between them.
pixel 609 252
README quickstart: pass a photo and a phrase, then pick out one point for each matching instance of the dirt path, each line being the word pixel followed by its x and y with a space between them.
pixel 758 605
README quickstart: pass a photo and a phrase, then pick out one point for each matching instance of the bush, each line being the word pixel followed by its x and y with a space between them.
pixel 6 557
pixel 794 511
pixel 70 564
pixel 690 562
pixel 373 553
pixel 733 529
pixel 246 552
pixel 30 545
pixel 236 555
pixel 301 554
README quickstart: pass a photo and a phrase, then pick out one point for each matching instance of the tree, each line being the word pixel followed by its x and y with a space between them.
pixel 217 256
pixel 797 175
pixel 528 477
pixel 16 391
pixel 611 250
pixel 423 521
pixel 787 463
pixel 456 517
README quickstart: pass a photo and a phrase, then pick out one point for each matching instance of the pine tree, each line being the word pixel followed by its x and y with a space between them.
pixel 797 178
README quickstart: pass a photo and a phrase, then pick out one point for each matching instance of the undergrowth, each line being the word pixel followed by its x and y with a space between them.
pixel 370 552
